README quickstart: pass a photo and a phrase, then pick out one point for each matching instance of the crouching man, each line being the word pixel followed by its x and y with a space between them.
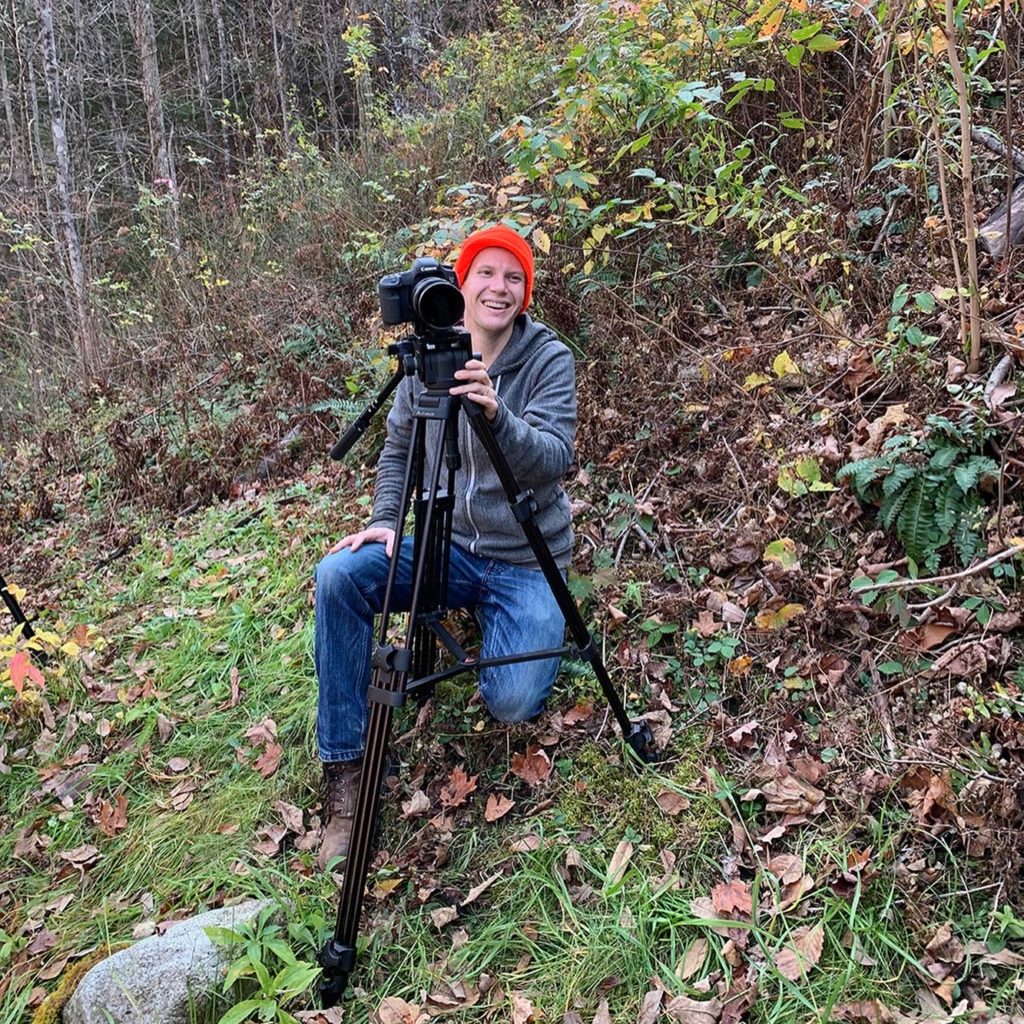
pixel 525 383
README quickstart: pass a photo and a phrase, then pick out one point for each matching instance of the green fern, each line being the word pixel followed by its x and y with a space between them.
pixel 342 408
pixel 926 489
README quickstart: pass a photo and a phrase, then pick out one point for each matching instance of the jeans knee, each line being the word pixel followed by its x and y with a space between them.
pixel 511 708
pixel 512 699
pixel 336 580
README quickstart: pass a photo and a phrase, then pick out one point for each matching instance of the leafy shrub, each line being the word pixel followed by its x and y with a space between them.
pixel 928 488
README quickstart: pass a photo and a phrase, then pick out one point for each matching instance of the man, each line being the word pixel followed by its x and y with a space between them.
pixel 525 384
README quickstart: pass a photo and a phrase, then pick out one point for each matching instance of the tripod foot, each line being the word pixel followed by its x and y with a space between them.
pixel 640 740
pixel 337 961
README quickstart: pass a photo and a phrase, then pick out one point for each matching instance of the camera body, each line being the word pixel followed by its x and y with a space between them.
pixel 427 296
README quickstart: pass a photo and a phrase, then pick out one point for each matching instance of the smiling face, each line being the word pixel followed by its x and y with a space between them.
pixel 494 290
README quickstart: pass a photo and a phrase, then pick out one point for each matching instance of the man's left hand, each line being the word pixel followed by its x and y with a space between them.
pixel 478 387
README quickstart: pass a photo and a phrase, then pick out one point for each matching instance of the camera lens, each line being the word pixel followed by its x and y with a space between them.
pixel 438 303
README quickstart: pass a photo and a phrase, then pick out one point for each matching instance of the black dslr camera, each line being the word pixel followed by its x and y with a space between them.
pixel 428 297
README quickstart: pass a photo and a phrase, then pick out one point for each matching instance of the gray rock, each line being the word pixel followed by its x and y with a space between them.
pixel 158 980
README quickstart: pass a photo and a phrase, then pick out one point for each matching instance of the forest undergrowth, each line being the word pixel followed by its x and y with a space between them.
pixel 798 520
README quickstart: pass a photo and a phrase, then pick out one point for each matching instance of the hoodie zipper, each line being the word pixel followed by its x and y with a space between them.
pixel 472 476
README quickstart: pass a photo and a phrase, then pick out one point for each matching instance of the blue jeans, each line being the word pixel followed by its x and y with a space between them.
pixel 515 605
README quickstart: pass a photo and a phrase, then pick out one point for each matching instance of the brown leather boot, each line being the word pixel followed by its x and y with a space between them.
pixel 340 789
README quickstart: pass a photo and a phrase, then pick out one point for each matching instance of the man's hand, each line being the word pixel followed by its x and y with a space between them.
pixel 478 388
pixel 373 535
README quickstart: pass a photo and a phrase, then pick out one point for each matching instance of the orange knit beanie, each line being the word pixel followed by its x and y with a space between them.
pixel 498 237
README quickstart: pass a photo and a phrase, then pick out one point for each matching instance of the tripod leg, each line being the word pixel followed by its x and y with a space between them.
pixel 637 735
pixel 391 668
pixel 15 609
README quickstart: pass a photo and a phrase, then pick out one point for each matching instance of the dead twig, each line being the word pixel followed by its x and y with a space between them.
pixel 990 140
pixel 941 599
pixel 929 580
pixel 997 376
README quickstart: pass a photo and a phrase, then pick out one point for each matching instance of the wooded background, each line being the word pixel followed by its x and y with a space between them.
pixel 779 236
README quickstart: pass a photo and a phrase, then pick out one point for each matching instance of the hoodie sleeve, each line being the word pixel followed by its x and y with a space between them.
pixel 391 465
pixel 538 443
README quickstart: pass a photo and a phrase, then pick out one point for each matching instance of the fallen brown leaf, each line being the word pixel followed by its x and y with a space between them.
pixel 291 816
pixel 789 794
pixel 733 897
pixel 478 890
pixel 865 1011
pixel 442 916
pixel 393 1010
pixel 650 1008
pixel 460 785
pixel 672 803
pixel 262 732
pixel 416 806
pixel 183 794
pixel 268 841
pixel 54 968
pixel 331 1016
pixel 801 953
pixel 618 864
pixel 742 737
pixel 81 857
pixel 693 959
pixel 580 713
pixel 694 1011
pixel 533 767
pixel 266 764
pixel 497 807
pixel 41 942
pixel 526 844
pixel 458 995
pixel 523 1011
pixel 113 817
pixel 786 867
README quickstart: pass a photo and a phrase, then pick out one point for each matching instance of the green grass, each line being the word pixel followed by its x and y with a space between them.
pixel 231 594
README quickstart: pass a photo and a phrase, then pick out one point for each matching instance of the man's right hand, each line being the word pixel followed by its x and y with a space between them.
pixel 371 535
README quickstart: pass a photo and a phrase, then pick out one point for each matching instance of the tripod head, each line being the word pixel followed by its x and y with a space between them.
pixel 433 356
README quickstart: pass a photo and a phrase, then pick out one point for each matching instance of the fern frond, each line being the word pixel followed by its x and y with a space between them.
pixel 343 408
pixel 966 538
pixel 913 520
pixel 893 504
pixel 897 478
pixel 945 457
pixel 863 473
pixel 977 466
pixel 950 503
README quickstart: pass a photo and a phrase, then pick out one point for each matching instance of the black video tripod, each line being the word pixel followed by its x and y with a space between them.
pixel 410 669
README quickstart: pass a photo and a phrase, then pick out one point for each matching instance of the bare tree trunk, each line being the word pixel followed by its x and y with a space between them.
pixel 152 94
pixel 970 227
pixel 117 128
pixel 205 76
pixel 332 68
pixel 280 79
pixel 28 103
pixel 80 131
pixel 85 332
pixel 18 169
pixel 226 92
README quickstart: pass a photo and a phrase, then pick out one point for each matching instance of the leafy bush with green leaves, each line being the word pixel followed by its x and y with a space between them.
pixel 266 962
pixel 928 488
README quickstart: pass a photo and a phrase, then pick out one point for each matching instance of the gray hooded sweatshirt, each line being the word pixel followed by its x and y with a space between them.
pixel 534 378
